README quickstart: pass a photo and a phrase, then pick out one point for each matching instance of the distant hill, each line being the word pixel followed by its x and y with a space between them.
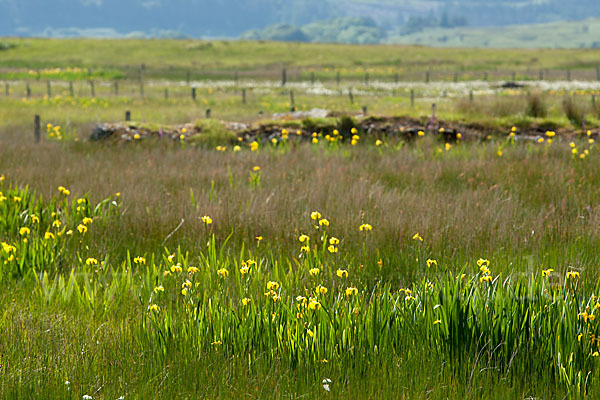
pixel 307 20
pixel 578 34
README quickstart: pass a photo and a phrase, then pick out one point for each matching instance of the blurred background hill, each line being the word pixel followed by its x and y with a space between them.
pixel 457 23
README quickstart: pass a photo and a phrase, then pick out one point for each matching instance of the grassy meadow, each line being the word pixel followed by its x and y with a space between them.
pixel 345 264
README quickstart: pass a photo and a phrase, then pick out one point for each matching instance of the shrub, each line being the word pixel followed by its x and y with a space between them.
pixel 536 105
pixel 574 111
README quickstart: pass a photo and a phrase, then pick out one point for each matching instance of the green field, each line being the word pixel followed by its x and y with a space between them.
pixel 214 264
pixel 173 59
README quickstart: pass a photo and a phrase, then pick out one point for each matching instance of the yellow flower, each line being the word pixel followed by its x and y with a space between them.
pixel 315 140
pixel 354 131
pixel 48 235
pixel 351 291
pixel 321 289
pixel 441 130
pixel 236 148
pixel 184 291
pixel 223 272
pixel 207 220
pixel 16 199
pixel 315 215
pixel 332 249
pixel 244 269
pixel 591 141
pixel 431 262
pixel 246 301
pixel 24 231
pixel 314 271
pixel 35 219
pixel 159 289
pixel 139 260
pixel 137 136
pixel 182 137
pixel 448 146
pixel 186 284
pixel 254 146
pixel 418 237
pixel 87 220
pixel 155 308
pixel 547 272
pixel 378 143
pixel 342 273
pixel 334 241
pixel 64 190
pixel 271 285
pixel 540 140
pixel 365 228
pixel 258 238
pixel 572 144
pixel 421 133
pixel 485 278
pixel 82 228
pixel 305 249
pixel 193 270
pixel 324 222
pixel 256 168
pixel 483 262
pixel 171 257
pixel 550 134
pixel 579 337
pixel 274 141
pixel 310 333
pixel 2 178
pixel 459 136
pixel 313 304
pixel 574 151
pixel 303 238
pixel 572 274
pixel 176 268
pixel 437 321
pixel 183 130
pixel 91 261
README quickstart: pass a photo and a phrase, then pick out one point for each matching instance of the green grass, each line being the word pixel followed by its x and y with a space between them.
pixel 80 303
pixel 174 59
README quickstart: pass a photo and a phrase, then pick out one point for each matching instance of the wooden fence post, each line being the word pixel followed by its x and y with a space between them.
pixel 351 96
pixel 283 77
pixel 244 96
pixel 49 88
pixel 92 88
pixel 427 77
pixel 6 89
pixel 208 113
pixel 312 78
pixel 338 78
pixel 28 90
pixel 364 110
pixel 36 128
pixel 166 93
pixel 71 91
pixel 194 93
pixel 412 97
pixel 127 115
pixel 366 79
pixel 292 102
